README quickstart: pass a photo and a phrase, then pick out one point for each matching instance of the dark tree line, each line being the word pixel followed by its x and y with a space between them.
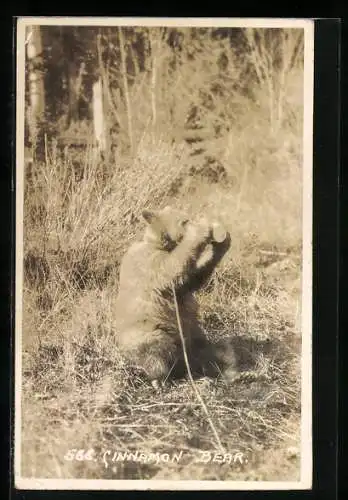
pixel 70 68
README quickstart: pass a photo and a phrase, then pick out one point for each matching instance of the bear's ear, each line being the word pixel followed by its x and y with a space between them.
pixel 149 216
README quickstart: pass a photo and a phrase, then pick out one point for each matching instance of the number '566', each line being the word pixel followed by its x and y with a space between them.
pixel 79 454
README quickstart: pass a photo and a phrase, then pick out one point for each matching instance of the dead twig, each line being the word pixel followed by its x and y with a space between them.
pixel 199 397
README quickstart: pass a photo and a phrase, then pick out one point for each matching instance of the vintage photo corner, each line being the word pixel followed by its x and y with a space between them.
pixel 163 253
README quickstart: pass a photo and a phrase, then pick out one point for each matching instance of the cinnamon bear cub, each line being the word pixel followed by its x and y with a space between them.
pixel 175 253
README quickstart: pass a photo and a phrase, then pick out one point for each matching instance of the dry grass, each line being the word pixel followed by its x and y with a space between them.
pixel 78 394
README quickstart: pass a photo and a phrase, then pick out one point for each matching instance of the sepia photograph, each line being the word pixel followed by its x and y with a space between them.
pixel 163 320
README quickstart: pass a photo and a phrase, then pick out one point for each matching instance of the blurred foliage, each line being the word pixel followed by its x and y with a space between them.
pixel 184 79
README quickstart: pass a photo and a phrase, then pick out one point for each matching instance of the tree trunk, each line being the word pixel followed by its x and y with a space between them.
pixel 125 87
pixel 35 81
pixel 98 116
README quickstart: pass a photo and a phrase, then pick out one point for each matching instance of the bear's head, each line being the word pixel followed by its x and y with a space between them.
pixel 165 228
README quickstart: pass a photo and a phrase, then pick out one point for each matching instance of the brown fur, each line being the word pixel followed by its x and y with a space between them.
pixel 176 251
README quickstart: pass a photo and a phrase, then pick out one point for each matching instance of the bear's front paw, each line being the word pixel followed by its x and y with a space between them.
pixel 198 232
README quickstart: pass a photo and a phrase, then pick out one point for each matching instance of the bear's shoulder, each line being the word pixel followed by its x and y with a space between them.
pixel 139 258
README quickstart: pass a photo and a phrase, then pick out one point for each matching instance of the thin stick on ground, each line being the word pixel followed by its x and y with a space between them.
pixel 199 397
